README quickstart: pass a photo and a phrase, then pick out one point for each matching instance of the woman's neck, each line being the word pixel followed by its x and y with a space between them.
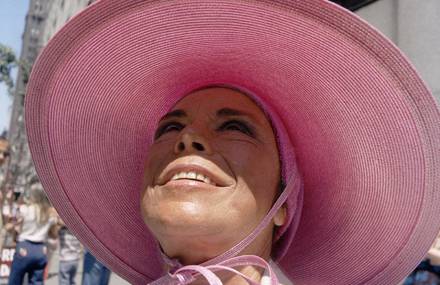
pixel 252 272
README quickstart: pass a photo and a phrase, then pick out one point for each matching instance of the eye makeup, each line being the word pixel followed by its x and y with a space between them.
pixel 238 125
pixel 166 127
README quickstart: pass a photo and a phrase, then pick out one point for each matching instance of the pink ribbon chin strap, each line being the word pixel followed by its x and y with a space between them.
pixel 226 261
pixel 187 274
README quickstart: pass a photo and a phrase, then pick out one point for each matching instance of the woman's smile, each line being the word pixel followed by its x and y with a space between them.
pixel 196 169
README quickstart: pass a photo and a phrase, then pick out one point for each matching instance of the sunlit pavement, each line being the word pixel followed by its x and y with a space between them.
pixel 53 274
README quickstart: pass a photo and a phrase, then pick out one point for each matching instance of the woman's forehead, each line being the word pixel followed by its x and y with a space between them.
pixel 220 100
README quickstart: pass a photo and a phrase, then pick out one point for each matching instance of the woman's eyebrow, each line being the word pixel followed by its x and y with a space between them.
pixel 174 114
pixel 226 112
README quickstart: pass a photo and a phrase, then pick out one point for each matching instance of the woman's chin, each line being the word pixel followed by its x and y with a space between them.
pixel 184 219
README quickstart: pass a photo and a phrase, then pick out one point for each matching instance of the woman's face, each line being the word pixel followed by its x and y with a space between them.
pixel 212 171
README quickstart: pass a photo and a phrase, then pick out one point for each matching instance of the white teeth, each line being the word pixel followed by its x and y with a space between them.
pixel 207 180
pixel 175 176
pixel 200 177
pixel 192 175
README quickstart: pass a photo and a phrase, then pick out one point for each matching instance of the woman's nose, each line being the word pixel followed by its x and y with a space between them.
pixel 191 142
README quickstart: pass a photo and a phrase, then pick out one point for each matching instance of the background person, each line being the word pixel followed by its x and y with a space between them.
pixel 94 272
pixel 33 224
pixel 9 213
pixel 69 255
pixel 7 209
pixel 428 271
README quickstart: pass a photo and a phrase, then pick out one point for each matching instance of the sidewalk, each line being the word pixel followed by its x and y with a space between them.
pixel 53 274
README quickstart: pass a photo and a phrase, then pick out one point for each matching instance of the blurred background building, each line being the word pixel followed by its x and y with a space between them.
pixel 43 20
pixel 4 154
pixel 414 26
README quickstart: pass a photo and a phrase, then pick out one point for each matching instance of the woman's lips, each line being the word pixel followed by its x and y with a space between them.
pixel 188 184
pixel 193 174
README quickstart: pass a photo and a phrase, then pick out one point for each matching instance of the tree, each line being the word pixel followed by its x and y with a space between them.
pixel 7 62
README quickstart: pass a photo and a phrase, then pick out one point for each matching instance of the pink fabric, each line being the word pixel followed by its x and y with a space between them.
pixel 283 236
pixel 187 274
pixel 365 129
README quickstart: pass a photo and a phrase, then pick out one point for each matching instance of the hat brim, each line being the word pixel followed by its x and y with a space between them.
pixel 365 129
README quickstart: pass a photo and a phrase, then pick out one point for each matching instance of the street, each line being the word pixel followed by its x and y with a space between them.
pixel 53 274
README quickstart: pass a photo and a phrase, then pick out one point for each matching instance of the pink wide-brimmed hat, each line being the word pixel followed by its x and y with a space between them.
pixel 365 129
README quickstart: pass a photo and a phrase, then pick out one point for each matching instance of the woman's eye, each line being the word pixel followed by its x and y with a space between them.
pixel 168 127
pixel 235 125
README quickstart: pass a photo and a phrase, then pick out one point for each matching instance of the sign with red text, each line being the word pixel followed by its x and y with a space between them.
pixel 7 255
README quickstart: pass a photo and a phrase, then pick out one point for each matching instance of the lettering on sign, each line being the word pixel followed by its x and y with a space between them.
pixel 5 270
pixel 7 255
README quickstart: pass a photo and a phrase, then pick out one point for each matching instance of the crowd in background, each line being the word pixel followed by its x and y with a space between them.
pixel 31 225
pixel 428 271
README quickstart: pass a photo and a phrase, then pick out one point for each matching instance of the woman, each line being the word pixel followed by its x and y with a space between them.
pixel 34 221
pixel 206 144
pixel 210 142
pixel 9 213
pixel 69 255
pixel 7 206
